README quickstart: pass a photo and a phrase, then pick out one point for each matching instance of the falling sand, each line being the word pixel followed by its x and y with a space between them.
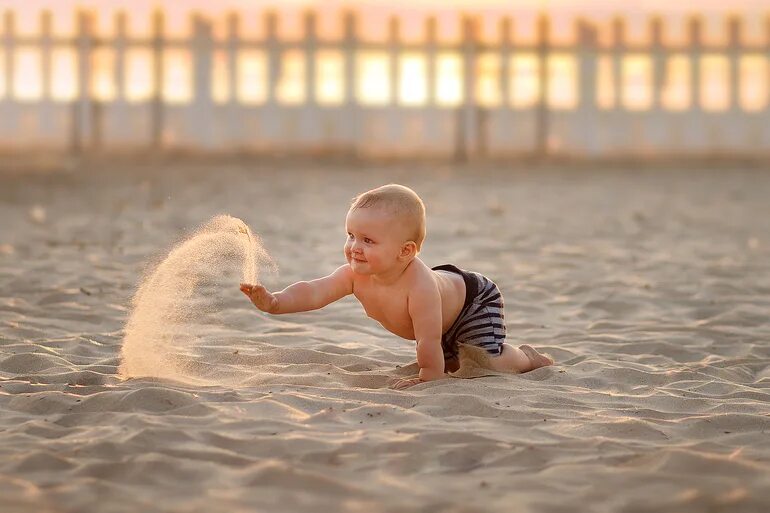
pixel 176 329
pixel 178 302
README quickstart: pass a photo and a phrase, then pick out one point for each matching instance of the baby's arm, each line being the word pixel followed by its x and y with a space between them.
pixel 303 295
pixel 425 311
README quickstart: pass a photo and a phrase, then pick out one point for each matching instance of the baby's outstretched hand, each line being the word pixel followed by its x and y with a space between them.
pixel 260 296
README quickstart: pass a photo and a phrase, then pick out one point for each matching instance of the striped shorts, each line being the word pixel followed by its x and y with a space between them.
pixel 481 321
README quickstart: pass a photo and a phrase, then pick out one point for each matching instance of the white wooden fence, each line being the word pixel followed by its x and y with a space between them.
pixel 465 128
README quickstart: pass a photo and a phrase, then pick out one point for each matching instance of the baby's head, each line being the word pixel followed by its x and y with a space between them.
pixel 383 224
pixel 401 204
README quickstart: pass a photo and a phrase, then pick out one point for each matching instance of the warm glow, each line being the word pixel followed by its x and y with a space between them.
pixel 139 75
pixel 373 78
pixel 64 24
pixel 177 76
pixel 290 89
pixel 755 81
pixel 252 77
pixel 102 76
pixel 605 88
pixel 562 82
pixel 413 79
pixel 2 75
pixel 488 93
pixel 675 95
pixel 140 23
pixel 330 71
pixel 103 22
pixel 220 78
pixel 714 86
pixel 27 79
pixel 373 83
pixel 636 88
pixel 525 80
pixel 449 80
pixel 63 68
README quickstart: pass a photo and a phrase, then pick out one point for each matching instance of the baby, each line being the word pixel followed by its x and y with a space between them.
pixel 439 308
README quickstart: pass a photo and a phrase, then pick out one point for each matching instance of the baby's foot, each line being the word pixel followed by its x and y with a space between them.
pixel 537 359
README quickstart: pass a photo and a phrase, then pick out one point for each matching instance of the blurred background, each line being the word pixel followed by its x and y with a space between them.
pixel 455 79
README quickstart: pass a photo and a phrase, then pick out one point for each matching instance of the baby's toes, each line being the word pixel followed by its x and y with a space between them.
pixel 538 359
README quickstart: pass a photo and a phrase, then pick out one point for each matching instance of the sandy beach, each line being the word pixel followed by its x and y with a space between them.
pixel 650 288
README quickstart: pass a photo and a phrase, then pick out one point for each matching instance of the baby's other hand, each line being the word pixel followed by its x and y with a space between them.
pixel 405 383
pixel 260 296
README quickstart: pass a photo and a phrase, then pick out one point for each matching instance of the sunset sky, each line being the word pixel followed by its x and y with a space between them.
pixel 610 5
pixel 412 12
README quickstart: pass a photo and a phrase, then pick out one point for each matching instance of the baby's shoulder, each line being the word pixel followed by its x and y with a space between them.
pixel 419 275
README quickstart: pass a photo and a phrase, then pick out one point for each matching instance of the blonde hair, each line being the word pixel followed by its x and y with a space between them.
pixel 400 201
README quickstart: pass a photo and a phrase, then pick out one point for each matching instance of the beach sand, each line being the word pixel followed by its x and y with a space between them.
pixel 650 288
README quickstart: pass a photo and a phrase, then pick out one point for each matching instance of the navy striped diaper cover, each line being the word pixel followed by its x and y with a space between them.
pixel 481 322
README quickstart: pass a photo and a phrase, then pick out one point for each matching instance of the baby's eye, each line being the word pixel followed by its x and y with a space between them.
pixel 350 236
pixel 367 240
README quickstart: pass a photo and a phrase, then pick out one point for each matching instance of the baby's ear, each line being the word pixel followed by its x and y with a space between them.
pixel 408 249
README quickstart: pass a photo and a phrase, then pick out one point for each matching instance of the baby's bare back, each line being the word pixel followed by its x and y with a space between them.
pixel 389 304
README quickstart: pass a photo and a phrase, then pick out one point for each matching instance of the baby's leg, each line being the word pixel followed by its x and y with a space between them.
pixel 519 359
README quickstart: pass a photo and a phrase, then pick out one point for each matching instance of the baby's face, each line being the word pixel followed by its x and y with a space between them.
pixel 374 240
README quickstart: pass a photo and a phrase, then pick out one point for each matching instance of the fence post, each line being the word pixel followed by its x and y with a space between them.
pixel 504 125
pixel 618 53
pixel 273 56
pixel 734 29
pixel 467 113
pixel 9 40
pixel 121 124
pixel 311 44
pixel 587 114
pixel 46 127
pixel 351 107
pixel 271 123
pixel 506 46
pixel 395 129
pixel 234 136
pixel 311 125
pixel 394 50
pixel 542 118
pixel 157 113
pixel 8 116
pixel 736 131
pixel 659 73
pixel 202 105
pixel 695 33
pixel 82 129
pixel 233 39
pixel 96 111
pixel 46 44
pixel 432 126
pixel 431 43
pixel 617 127
pixel 121 36
pixel 765 134
pixel 696 117
pixel 657 127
